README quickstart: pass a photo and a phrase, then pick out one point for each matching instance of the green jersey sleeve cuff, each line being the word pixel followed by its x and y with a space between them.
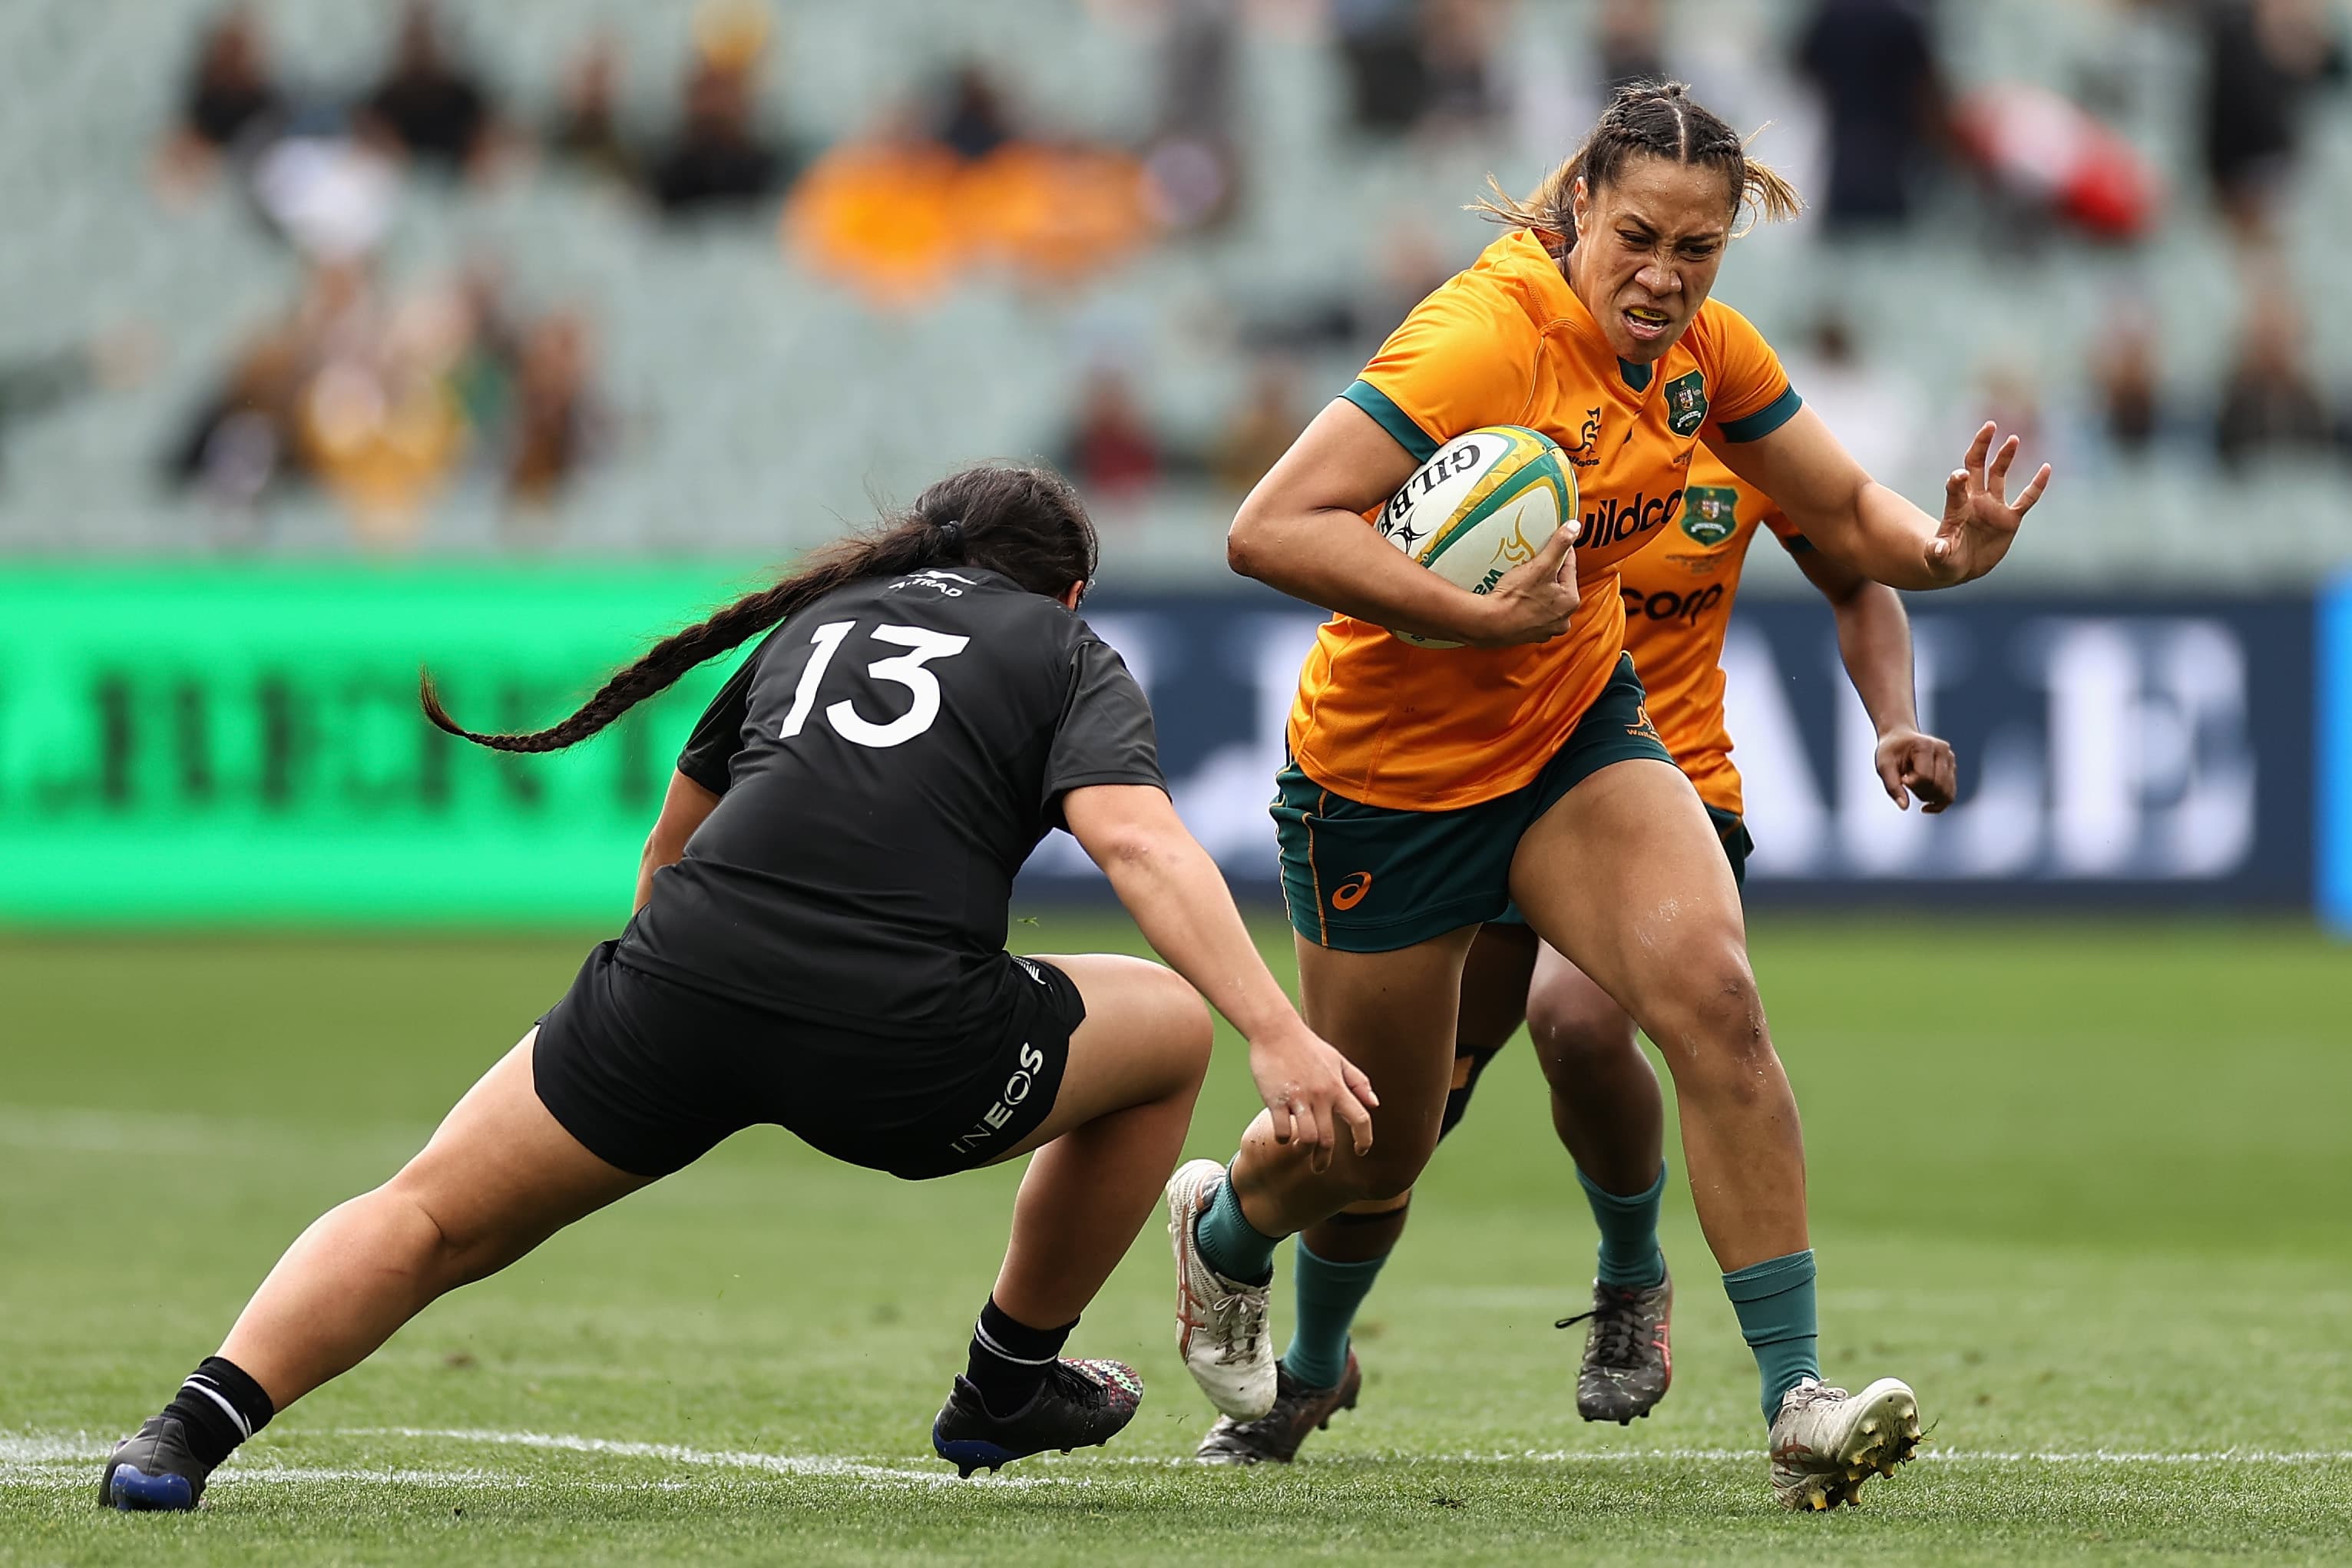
pixel 1765 420
pixel 1395 420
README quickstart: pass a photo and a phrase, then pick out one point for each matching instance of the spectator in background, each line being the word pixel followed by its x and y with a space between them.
pixel 1458 40
pixel 1380 49
pixel 1193 161
pixel 558 426
pixel 587 131
pixel 1874 65
pixel 1110 453
pixel 719 161
pixel 973 119
pixel 231 102
pixel 2123 372
pixel 1262 429
pixel 428 104
pixel 2270 402
pixel 1629 45
pixel 2262 59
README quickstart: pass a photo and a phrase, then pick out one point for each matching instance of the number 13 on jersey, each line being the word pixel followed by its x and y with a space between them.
pixel 902 669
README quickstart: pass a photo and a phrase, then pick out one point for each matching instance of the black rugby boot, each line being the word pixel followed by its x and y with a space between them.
pixel 153 1470
pixel 1083 1405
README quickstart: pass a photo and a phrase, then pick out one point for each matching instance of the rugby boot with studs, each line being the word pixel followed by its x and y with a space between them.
pixel 1220 1322
pixel 1628 1351
pixel 1826 1442
pixel 153 1470
pixel 1081 1405
pixel 1275 1436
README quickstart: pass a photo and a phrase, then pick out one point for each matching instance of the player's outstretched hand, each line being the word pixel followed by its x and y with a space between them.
pixel 1912 763
pixel 1533 601
pixel 1979 520
pixel 1311 1089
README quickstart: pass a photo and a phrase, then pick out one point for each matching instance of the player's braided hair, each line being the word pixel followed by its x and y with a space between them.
pixel 1654 119
pixel 1025 521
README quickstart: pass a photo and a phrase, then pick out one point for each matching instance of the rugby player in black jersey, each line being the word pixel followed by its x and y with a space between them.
pixel 819 943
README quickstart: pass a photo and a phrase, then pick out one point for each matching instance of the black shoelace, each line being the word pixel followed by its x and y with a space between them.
pixel 1616 1328
pixel 1081 1389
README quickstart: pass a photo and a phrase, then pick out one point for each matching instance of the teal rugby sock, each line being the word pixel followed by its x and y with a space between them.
pixel 1774 1300
pixel 1329 1294
pixel 1229 1243
pixel 1630 1258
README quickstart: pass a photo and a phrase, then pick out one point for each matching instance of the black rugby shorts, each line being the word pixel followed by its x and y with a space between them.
pixel 651 1075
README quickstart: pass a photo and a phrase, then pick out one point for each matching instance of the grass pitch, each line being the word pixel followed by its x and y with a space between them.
pixel 2085 1186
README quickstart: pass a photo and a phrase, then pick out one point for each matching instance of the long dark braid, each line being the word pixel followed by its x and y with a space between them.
pixel 1654 119
pixel 1025 521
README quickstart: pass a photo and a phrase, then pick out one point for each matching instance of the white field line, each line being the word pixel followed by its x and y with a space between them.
pixel 47 1462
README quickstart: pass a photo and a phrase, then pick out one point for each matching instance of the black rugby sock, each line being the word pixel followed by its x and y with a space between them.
pixel 220 1408
pixel 1009 1358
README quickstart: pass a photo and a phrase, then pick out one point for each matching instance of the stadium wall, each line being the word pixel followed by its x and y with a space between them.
pixel 240 745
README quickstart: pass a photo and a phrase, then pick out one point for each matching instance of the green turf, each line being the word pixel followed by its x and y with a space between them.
pixel 2085 1186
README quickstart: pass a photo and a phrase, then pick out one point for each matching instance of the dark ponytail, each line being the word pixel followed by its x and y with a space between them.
pixel 1657 119
pixel 1026 522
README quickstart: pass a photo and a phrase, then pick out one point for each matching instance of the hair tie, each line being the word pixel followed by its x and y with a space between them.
pixel 951 532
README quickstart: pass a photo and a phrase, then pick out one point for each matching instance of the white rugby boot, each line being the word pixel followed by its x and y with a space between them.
pixel 1827 1442
pixel 1220 1322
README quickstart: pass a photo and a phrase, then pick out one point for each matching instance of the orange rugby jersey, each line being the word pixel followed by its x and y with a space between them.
pixel 1508 342
pixel 1677 593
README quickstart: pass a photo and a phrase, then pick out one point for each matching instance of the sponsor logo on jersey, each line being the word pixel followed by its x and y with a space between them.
pixel 1666 604
pixel 936 579
pixel 1016 1088
pixel 1587 450
pixel 1611 520
pixel 1686 403
pixel 1350 893
pixel 1710 513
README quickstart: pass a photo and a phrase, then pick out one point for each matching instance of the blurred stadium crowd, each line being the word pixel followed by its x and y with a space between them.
pixel 309 276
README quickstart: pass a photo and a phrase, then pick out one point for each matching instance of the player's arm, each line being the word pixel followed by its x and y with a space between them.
pixel 1874 640
pixel 1179 901
pixel 1845 512
pixel 1302 529
pixel 683 810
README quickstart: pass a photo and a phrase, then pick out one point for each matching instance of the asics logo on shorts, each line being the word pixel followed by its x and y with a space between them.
pixel 1016 1089
pixel 1350 893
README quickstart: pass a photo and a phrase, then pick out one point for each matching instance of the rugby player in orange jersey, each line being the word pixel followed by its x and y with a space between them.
pixel 1430 789
pixel 1605 1104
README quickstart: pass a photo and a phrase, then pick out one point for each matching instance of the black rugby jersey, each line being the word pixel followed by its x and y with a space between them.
pixel 887 759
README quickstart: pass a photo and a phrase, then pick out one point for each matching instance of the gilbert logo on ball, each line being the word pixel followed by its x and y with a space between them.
pixel 1485 503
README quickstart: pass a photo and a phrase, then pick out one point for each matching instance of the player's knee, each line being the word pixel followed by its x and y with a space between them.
pixel 1191 1032
pixel 439 1244
pixel 1390 1171
pixel 1577 1036
pixel 1715 1019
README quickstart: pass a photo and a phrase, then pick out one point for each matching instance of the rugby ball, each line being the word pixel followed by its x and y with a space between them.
pixel 1484 504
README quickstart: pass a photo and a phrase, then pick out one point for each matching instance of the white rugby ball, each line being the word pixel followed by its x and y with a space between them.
pixel 1485 503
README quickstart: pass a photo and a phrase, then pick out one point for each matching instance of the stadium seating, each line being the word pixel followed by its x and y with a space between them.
pixel 759 405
